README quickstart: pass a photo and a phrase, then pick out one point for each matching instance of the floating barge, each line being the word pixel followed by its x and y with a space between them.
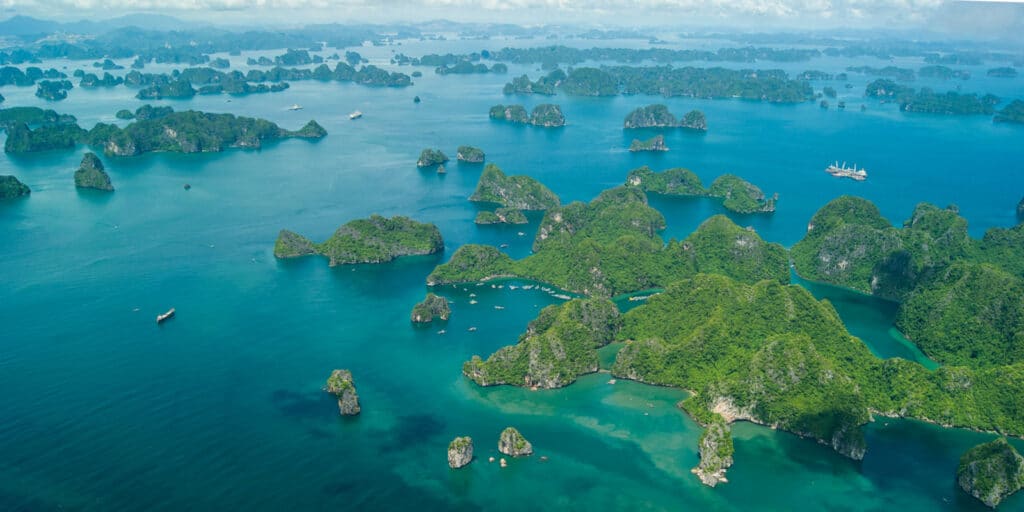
pixel 847 172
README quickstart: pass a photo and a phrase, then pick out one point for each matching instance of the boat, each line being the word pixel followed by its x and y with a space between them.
pixel 165 316
pixel 355 115
pixel 472 329
pixel 295 106
pixel 847 172
pixel 499 307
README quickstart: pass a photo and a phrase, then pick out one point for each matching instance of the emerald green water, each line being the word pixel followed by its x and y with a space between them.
pixel 221 408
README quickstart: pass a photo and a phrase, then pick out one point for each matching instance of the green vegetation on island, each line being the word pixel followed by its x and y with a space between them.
pixel 430 157
pixel 22 139
pixel 658 116
pixel 716 451
pixel 712 83
pixel 656 143
pixel 611 246
pixel 470 154
pixel 511 442
pixel 515 192
pixel 10 188
pixel 108 80
pixel 460 452
pixel 1013 112
pixel 502 216
pixel 546 115
pixel 740 196
pixel 431 307
pixel 1003 72
pixel 737 194
pixel 53 90
pixel 928 101
pixel 558 346
pixel 90 174
pixel 991 471
pixel 340 384
pixel 373 240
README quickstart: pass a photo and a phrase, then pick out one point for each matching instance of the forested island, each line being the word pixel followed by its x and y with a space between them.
pixel 545 115
pixel 656 143
pixel 91 174
pixel 501 216
pixel 154 129
pixel 991 471
pixel 514 192
pixel 470 154
pixel 611 246
pixel 709 83
pixel 1011 113
pixel 928 101
pixel 11 187
pixel 737 194
pixel 728 327
pixel 376 239
pixel 658 116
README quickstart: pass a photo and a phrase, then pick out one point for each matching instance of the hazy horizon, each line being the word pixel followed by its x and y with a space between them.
pixel 1001 19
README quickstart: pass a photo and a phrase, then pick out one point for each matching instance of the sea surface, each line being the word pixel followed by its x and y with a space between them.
pixel 221 407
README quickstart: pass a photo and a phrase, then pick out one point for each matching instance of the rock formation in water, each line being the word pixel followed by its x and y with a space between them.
pixel 90 174
pixel 716 449
pixel 460 452
pixel 991 471
pixel 433 306
pixel 340 385
pixel 513 443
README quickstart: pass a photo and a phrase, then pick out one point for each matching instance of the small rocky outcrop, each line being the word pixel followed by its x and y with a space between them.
pixel 991 471
pixel 90 174
pixel 433 306
pixel 312 130
pixel 429 157
pixel 441 170
pixel 340 385
pixel 513 443
pixel 460 452
pixel 547 115
pixel 716 449
pixel 10 188
pixel 470 154
pixel 656 143
pixel 292 245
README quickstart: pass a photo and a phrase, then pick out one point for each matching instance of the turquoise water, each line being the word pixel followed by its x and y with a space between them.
pixel 221 408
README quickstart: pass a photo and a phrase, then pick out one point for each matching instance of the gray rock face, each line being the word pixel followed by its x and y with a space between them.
pixel 460 452
pixel 716 451
pixel 513 443
pixel 340 385
pixel 991 471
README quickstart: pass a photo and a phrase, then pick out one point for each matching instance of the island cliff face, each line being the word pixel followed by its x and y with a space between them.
pixel 460 452
pixel 429 157
pixel 656 143
pixel 716 450
pixel 516 192
pixel 737 194
pixel 546 115
pixel 501 216
pixel 373 240
pixel 433 306
pixel 470 154
pixel 658 116
pixel 90 174
pixel 340 384
pixel 991 471
pixel 10 188
pixel 558 346
pixel 513 443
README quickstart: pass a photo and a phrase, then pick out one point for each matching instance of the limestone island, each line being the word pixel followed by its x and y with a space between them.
pixel 656 143
pixel 546 115
pixel 470 154
pixel 90 174
pixel 11 188
pixel 155 129
pixel 460 452
pixel 1011 113
pixel 340 385
pixel 716 450
pixel 747 345
pixel 515 192
pixel 658 116
pixel 373 240
pixel 737 194
pixel 501 216
pixel 429 157
pixel 513 443
pixel 433 306
pixel 991 471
